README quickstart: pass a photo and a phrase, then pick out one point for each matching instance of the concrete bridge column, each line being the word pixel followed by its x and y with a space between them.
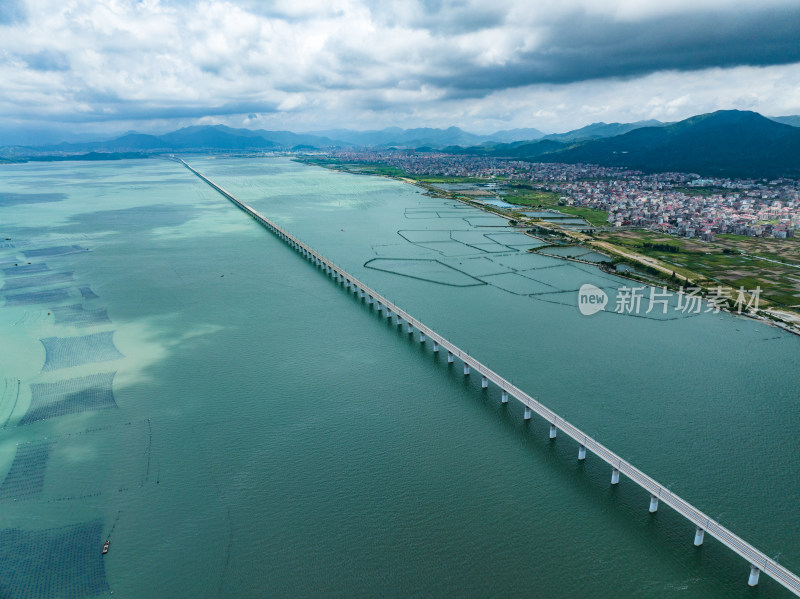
pixel 484 382
pixel 753 578
pixel 615 476
pixel 410 329
pixel 582 452
pixel 399 321
pixel 653 504
pixel 421 337
pixel 553 431
pixel 435 347
pixel 449 357
pixel 466 368
pixel 699 533
pixel 380 307
pixel 527 414
pixel 369 300
pixel 504 396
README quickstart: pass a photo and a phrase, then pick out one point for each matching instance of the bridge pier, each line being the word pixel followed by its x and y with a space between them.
pixel 553 431
pixel 699 533
pixel 752 580
pixel 484 382
pixel 615 476
pixel 421 337
pixel 504 397
pixel 449 357
pixel 435 347
pixel 466 368
pixel 527 414
pixel 653 504
pixel 410 329
pixel 582 453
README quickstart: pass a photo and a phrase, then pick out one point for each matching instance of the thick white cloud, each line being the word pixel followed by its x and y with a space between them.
pixel 310 65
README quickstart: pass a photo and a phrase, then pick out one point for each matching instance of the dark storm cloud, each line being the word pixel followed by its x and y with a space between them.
pixel 583 47
pixel 317 62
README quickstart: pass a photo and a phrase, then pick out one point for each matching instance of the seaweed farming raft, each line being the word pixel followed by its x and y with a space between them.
pixel 758 561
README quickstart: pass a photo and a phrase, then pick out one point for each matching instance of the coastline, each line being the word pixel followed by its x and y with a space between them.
pixel 766 317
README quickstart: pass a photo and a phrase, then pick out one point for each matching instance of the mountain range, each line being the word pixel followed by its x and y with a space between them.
pixel 728 143
pixel 724 143
pixel 220 137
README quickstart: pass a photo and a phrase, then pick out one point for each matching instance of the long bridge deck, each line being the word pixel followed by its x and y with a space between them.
pixel 759 562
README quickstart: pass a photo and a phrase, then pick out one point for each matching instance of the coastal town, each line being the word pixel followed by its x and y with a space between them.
pixel 679 204
pixel 719 236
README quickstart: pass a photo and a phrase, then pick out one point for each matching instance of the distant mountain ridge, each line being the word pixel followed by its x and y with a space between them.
pixel 600 130
pixel 794 120
pixel 221 137
pixel 724 143
pixel 424 136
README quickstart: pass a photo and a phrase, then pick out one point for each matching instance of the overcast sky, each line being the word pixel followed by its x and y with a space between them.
pixel 113 65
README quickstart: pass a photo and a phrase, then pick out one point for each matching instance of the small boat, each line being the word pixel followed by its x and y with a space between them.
pixel 105 547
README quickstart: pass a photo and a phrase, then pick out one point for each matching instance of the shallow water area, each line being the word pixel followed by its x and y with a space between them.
pixel 237 425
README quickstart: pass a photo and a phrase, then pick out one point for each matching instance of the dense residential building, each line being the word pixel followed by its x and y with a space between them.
pixel 682 204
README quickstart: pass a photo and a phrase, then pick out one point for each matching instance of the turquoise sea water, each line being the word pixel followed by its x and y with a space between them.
pixel 265 434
